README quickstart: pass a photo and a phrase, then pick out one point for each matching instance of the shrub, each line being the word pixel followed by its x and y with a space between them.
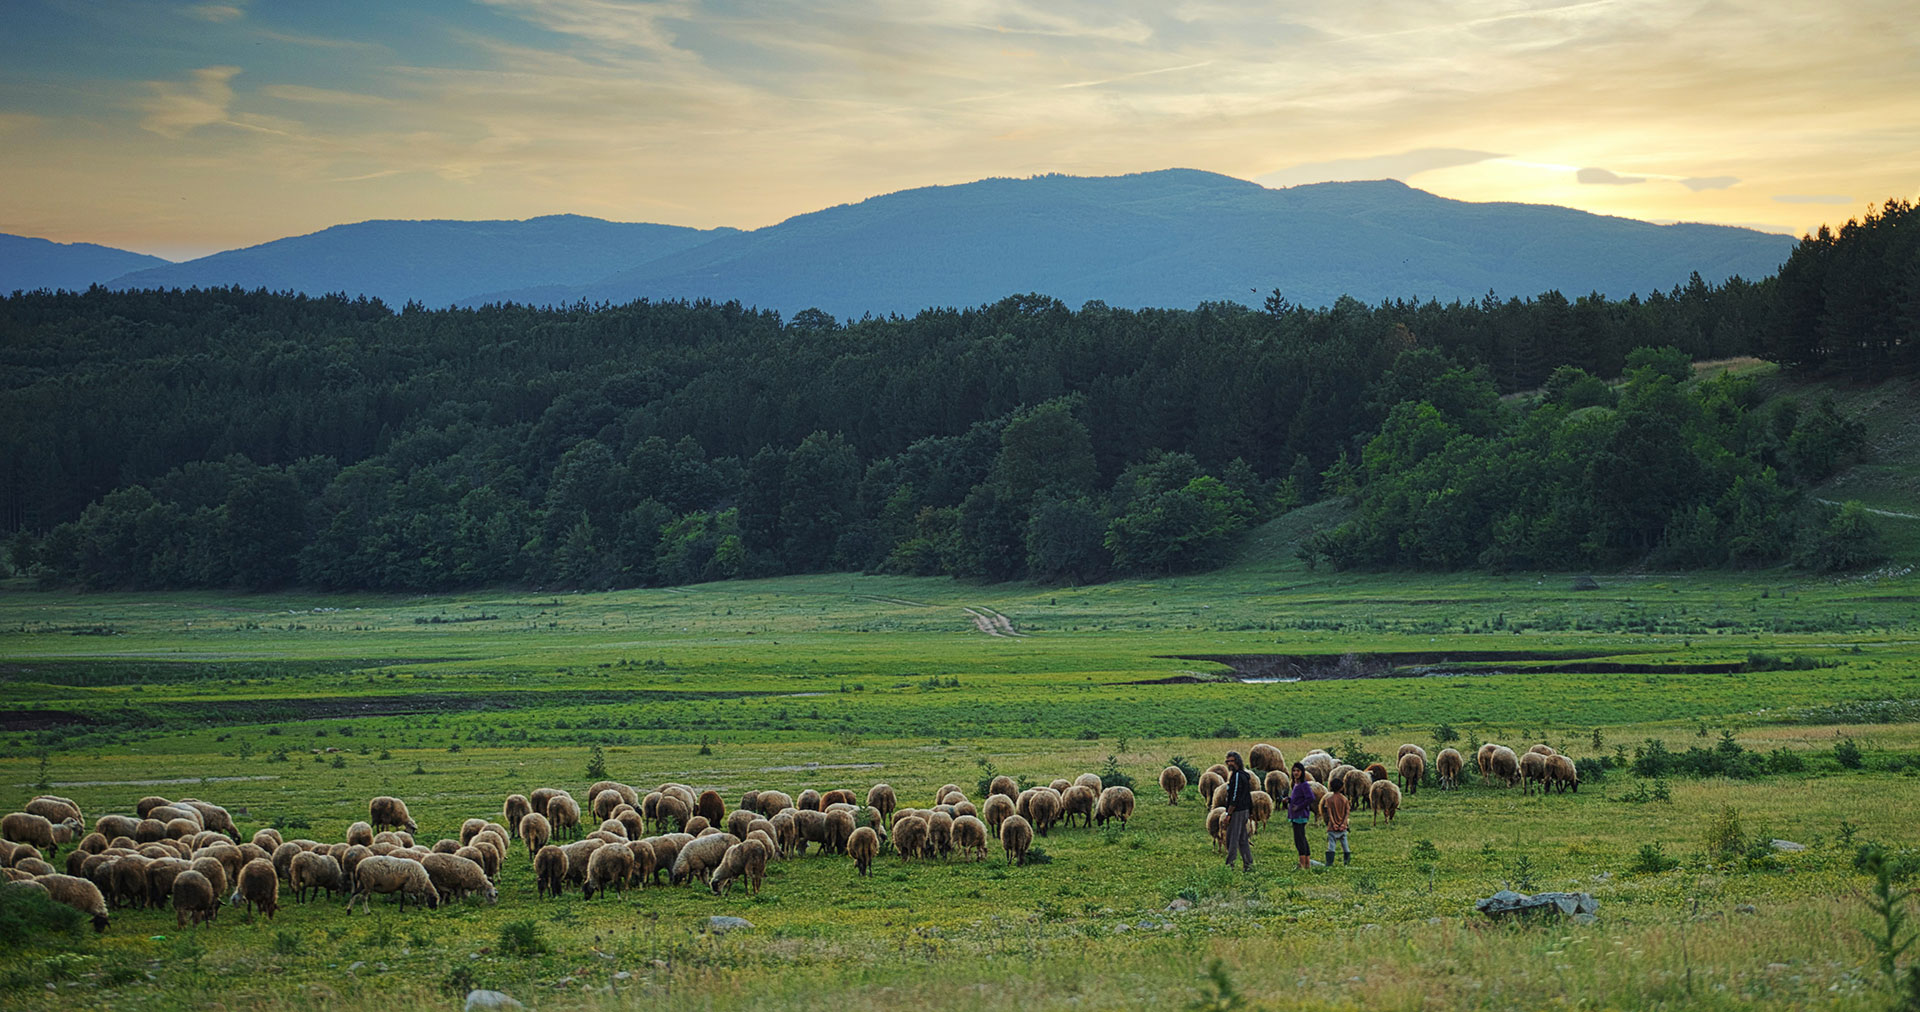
pixel 1591 770
pixel 28 916
pixel 1354 755
pixel 1652 860
pixel 596 764
pixel 1112 776
pixel 1186 766
pixel 1723 834
pixel 1782 761
pixel 1848 754
pixel 286 943
pixel 521 938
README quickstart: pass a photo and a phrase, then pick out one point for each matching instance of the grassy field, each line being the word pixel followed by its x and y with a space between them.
pixel 293 709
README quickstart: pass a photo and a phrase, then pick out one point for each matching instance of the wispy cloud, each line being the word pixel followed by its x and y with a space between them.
pixel 1604 177
pixel 216 12
pixel 1812 198
pixel 1698 183
pixel 322 96
pixel 1400 166
pixel 174 109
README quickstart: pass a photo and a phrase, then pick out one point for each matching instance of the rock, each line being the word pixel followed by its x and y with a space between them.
pixel 357 964
pixel 1180 904
pixel 1788 845
pixel 1118 928
pixel 721 925
pixel 1507 903
pixel 1746 908
pixel 627 974
pixel 1585 919
pixel 486 1000
pixel 1316 864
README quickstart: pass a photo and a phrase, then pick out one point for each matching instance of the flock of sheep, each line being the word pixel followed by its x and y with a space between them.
pixel 189 853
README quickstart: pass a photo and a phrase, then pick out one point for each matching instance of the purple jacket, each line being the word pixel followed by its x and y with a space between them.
pixel 1300 802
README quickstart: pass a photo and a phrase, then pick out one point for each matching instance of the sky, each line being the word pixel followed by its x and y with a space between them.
pixel 180 129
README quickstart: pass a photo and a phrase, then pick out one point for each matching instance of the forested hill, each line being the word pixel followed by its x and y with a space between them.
pixel 225 437
pixel 27 263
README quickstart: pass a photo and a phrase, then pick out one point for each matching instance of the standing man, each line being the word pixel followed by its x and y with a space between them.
pixel 1240 788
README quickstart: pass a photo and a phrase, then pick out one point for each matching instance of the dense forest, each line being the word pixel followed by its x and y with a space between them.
pixel 232 438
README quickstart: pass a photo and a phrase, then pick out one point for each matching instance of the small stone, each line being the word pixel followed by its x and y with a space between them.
pixel 357 964
pixel 721 925
pixel 623 975
pixel 1788 845
pixel 1776 966
pixel 1118 928
pixel 1179 904
pixel 1746 908
pixel 488 1001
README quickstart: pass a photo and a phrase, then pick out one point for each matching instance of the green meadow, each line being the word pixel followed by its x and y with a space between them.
pixel 292 709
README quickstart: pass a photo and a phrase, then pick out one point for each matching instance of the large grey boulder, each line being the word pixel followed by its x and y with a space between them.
pixel 721 925
pixel 1507 903
pixel 490 1001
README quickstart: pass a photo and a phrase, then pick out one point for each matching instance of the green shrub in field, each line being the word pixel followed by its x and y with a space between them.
pixel 521 938
pixel 1112 776
pixel 30 917
pixel 1652 860
pixel 1724 836
pixel 1353 754
pixel 1848 754
pixel 1186 766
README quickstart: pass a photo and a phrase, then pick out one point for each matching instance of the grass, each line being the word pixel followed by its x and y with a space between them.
pixel 293 709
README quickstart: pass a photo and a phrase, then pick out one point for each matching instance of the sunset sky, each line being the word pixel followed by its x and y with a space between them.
pixel 184 128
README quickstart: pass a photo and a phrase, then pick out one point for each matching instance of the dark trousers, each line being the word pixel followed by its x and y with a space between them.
pixel 1237 842
pixel 1300 839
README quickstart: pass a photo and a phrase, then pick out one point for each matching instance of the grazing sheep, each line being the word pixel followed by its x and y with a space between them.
pixel 1060 785
pixel 181 829
pixel 35 866
pixel 645 861
pixel 1264 757
pixel 627 793
pixel 194 899
pixel 700 857
pixel 746 859
pixel 54 810
pixel 1262 809
pixel 1562 774
pixel 1209 783
pixel 840 827
pixel 1320 764
pixel 79 894
pixel 939 835
pixel 550 871
pixel 454 876
pixel 1044 809
pixel 636 827
pixel 312 872
pixel 740 821
pixel 670 813
pixel 999 807
pixel 970 837
pixel 666 848
pixel 258 887
pixel 578 854
pixel 516 808
pixel 911 837
pixel 1413 766
pixel 1356 785
pixel 1503 764
pixel 1410 749
pixel 1016 837
pixel 445 846
pixel 130 887
pixel 1483 758
pixel 786 830
pixel 1533 772
pixel 863 846
pixel 1078 800
pixel 149 803
pixel 772 803
pixel 1277 784
pixel 696 825
pixel 1377 771
pixel 881 796
pixel 608 867
pixel 392 875
pixel 1173 780
pixel 838 796
pixel 1543 749
pixel 483 854
pixel 469 829
pixel 1217 827
pixel 386 811
pixel 150 831
pixel 809 800
pixel 111 826
pixel 1115 802
pixel 563 813
pixel 602 803
pixel 534 830
pixel 267 839
pixel 711 807
pixel 1447 767
pixel 1003 785
pixel 360 833
pixel 810 827
pixel 160 876
pixel 1385 800
pixel 25 827
pixel 214 818
pixel 216 872
pixel 540 796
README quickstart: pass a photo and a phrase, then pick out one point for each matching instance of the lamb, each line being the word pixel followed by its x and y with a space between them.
pixel 1447 767
pixel 863 846
pixel 1016 836
pixel 635 825
pixel 259 887
pixel 564 814
pixel 1384 798
pixel 360 833
pixel 384 811
pixel 1078 800
pixel 550 870
pixel 1045 809
pixel 312 872
pixel 607 867
pixel 881 796
pixel 1115 802
pixel 534 830
pixel 392 875
pixel 910 836
pixel 1003 785
pixel 1413 766
pixel 711 807
pixel 747 859
pixel 1277 784
pixel 1502 763
pixel 700 857
pixel 25 827
pixel 1533 772
pixel 194 900
pixel 1264 757
pixel 1173 780
pixel 79 894
pixel 1562 774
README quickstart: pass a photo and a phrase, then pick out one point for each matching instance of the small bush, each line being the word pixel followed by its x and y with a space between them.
pixel 1782 761
pixel 1353 754
pixel 521 938
pixel 1723 835
pixel 1112 776
pixel 1186 766
pixel 1848 754
pixel 1445 734
pixel 1652 860
pixel 28 916
pixel 286 943
pixel 596 764
pixel 1424 850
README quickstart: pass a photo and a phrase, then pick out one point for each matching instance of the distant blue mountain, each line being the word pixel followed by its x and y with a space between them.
pixel 433 262
pixel 27 264
pixel 1176 238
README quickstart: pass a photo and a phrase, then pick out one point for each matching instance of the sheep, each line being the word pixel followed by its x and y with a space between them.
pixel 1533 772
pixel 540 796
pixel 630 821
pixel 1115 802
pixel 696 825
pixel 1219 796
pixel 496 839
pixel 25 827
pixel 386 811
pixel 360 833
pixel 563 813
pixel 214 818
pixel 534 830
pixel 998 808
pixel 34 865
pixel 111 826
pixel 666 848
pixel 1562 774
pixel 484 854
pixel 181 829
pixel 602 803
pixel 1262 809
pixel 881 796
pixel 1483 758
pixel 747 859
pixel 259 887
pixel 54 809
pixel 550 871
pixel 1277 784
pixel 1217 827
pixel 267 839
pixel 809 800
pixel 1045 809
pixel 216 872
pixel 911 837
pixel 1320 764
pixel 939 835
pixel 513 810
pixel 194 900
pixel 1016 836
pixel 1209 783
pixel 1385 800
pixel 148 804
pixel 1003 785
pixel 1543 749
pixel 1413 766
pixel 739 821
pixel 1264 757
pixel 607 867
pixel 1447 766
pixel 579 853
pixel 1502 763
pixel 627 794
pixel 392 875
pixel 671 813
pixel 150 830
pixel 840 827
pixel 1173 780
pixel 698 858
pixel 863 846
pixel 455 877
pixel 130 888
pixel 645 861
pixel 712 807
pixel 771 803
pixel 445 846
pixel 313 872
pixel 786 830
pixel 160 875
pixel 1078 800
pixel 79 894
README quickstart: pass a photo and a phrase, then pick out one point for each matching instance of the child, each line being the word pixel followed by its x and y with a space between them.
pixel 1335 808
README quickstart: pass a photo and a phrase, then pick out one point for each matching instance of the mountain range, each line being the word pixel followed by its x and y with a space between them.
pixel 27 263
pixel 1172 238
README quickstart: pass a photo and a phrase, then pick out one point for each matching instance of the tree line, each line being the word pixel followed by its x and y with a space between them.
pixel 212 438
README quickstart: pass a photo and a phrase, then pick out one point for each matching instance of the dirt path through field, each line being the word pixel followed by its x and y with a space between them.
pixel 993 623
